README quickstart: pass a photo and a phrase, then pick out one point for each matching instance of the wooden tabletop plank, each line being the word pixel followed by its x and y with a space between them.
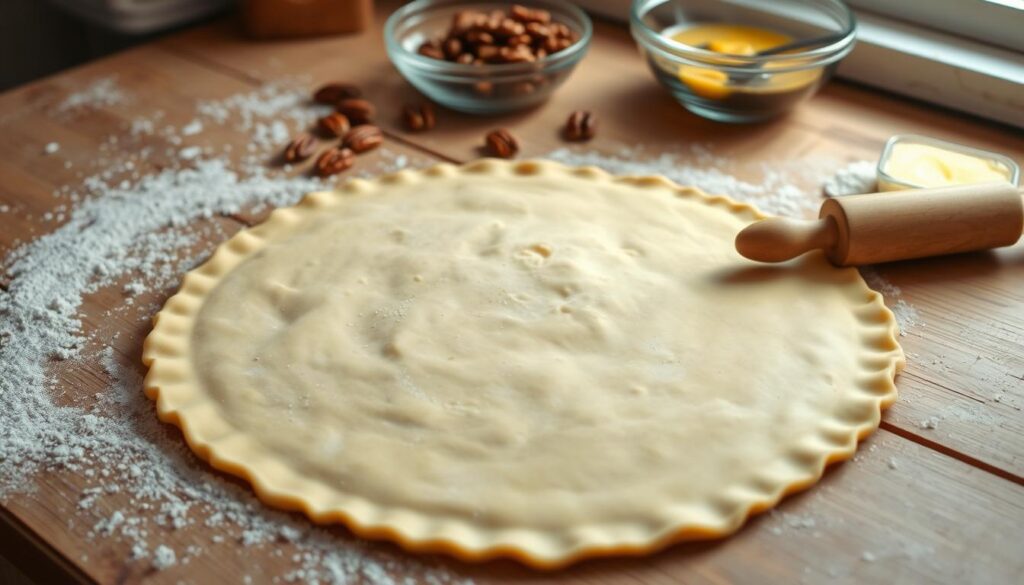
pixel 896 514
pixel 970 306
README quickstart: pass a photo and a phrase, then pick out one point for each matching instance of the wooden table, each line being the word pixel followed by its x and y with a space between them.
pixel 942 504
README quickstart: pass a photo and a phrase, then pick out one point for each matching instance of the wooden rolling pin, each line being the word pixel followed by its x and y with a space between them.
pixel 896 225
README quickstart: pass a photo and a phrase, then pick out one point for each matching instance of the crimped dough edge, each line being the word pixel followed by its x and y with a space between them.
pixel 173 384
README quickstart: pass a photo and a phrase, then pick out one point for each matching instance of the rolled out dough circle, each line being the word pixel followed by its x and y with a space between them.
pixel 520 359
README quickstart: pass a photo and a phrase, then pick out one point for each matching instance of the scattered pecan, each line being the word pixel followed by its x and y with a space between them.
pixel 358 111
pixel 331 93
pixel 580 126
pixel 501 143
pixel 300 148
pixel 334 124
pixel 419 117
pixel 363 138
pixel 334 161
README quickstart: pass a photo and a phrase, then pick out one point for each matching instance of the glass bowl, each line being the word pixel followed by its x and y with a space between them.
pixel 741 87
pixel 487 88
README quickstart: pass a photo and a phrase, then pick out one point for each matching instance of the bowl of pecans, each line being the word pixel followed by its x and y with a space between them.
pixel 487 57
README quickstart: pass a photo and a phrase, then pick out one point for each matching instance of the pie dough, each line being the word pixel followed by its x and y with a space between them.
pixel 520 359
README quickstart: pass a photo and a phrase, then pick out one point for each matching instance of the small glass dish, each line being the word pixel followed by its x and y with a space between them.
pixel 887 182
pixel 736 87
pixel 487 88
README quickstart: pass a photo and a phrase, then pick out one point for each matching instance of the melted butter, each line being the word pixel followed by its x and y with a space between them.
pixel 731 39
pixel 739 40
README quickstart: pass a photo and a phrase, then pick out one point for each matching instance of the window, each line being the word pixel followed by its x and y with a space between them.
pixel 962 54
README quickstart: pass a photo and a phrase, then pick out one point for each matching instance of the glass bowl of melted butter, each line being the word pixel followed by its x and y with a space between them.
pixel 742 60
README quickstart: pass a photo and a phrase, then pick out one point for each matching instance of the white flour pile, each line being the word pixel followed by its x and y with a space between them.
pixel 130 232
pixel 853 179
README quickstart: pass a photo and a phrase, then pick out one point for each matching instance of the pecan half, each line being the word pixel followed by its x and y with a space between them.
pixel 510 28
pixel 358 111
pixel 330 93
pixel 488 52
pixel 452 48
pixel 483 87
pixel 527 15
pixel 581 125
pixel 465 20
pixel 300 148
pixel 520 40
pixel 556 44
pixel 334 161
pixel 419 117
pixel 431 49
pixel 517 54
pixel 334 124
pixel 479 37
pixel 501 143
pixel 539 31
pixel 363 138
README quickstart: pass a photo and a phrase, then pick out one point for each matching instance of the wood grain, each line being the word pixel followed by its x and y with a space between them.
pixel 923 505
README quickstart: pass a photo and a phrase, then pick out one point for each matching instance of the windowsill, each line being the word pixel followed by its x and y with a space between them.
pixel 939 68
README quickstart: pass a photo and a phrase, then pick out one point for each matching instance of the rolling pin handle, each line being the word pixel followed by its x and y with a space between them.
pixel 778 239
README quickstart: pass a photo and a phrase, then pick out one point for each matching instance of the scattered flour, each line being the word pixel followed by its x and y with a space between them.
pixel 906 314
pixel 103 92
pixel 51 148
pixel 135 232
pixel 192 128
pixel 853 179
pixel 930 423
pixel 781 521
pixel 190 152
pixel 164 558
pixel 868 557
pixel 772 191
pixel 269 106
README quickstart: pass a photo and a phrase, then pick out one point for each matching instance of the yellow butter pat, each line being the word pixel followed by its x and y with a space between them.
pixel 924 165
